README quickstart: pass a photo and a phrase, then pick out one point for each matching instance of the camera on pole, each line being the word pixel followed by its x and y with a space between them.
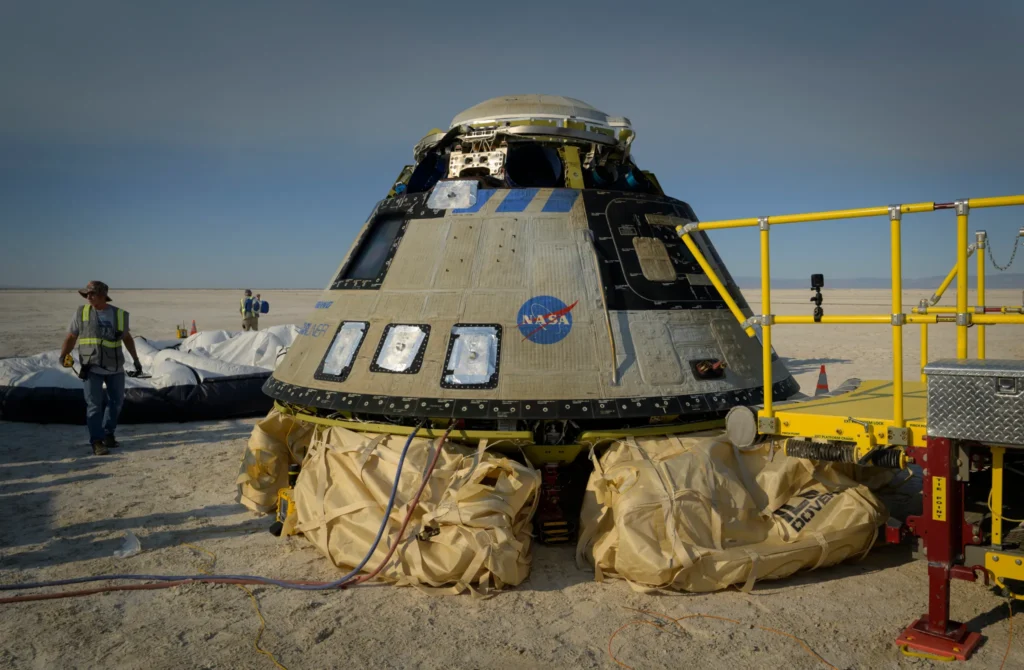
pixel 817 281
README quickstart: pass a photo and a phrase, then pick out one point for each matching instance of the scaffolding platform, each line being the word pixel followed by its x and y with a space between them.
pixel 975 413
pixel 848 417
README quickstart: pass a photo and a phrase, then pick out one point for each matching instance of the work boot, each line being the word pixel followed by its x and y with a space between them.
pixel 99 449
pixel 110 443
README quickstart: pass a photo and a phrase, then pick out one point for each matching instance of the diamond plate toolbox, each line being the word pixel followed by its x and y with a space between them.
pixel 976 400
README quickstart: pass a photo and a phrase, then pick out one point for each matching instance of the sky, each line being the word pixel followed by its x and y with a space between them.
pixel 243 144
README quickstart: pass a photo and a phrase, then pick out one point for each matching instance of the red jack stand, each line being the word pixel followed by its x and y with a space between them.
pixel 552 525
pixel 943 530
pixel 959 644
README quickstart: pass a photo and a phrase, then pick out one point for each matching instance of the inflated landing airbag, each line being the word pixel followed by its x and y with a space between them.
pixel 699 514
pixel 211 375
pixel 470 530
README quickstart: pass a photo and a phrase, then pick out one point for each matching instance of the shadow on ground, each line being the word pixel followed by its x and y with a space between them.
pixel 798 366
pixel 30 470
pixel 998 613
pixel 881 558
pixel 142 437
pixel 87 547
pixel 21 487
pixel 88 540
pixel 548 573
pixel 70 550
pixel 138 437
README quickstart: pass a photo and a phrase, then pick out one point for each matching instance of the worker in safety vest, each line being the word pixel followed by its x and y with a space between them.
pixel 99 328
pixel 257 308
pixel 249 315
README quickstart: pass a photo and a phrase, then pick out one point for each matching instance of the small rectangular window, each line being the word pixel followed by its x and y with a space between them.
pixel 474 355
pixel 369 261
pixel 401 349
pixel 337 361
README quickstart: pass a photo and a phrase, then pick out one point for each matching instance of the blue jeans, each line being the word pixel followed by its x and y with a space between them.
pixel 102 409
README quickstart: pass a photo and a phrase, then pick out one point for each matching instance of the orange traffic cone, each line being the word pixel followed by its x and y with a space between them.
pixel 193 332
pixel 822 387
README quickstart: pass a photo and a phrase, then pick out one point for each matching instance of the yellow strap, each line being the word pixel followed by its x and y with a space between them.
pixel 920 654
pixel 85 312
pixel 110 344
pixel 678 548
pixel 483 552
pixel 573 171
pixel 823 543
pixel 748 586
pixel 120 320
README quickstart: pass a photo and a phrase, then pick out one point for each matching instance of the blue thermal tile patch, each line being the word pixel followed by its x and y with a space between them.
pixel 517 200
pixel 482 196
pixel 561 200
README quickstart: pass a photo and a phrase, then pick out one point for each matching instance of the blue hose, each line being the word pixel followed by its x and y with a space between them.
pixel 262 580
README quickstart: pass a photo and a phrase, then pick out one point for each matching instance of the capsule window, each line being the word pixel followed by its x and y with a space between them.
pixel 432 168
pixel 474 355
pixel 401 349
pixel 369 261
pixel 338 360
pixel 533 165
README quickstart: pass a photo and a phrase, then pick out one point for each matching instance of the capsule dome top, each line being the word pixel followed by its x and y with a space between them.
pixel 531 106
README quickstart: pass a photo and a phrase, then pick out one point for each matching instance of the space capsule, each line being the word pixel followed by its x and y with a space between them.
pixel 524 274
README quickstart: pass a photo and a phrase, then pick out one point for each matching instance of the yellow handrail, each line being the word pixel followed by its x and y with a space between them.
pixel 974 309
pixel 818 216
pixel 897 316
pixel 715 281
pixel 924 351
pixel 835 318
pixel 963 315
pixel 937 296
pixel 766 326
pixel 980 242
pixel 980 319
pixel 962 208
pixel 999 201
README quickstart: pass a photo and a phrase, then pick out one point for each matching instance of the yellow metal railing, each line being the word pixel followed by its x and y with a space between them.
pixel 962 315
pixel 927 306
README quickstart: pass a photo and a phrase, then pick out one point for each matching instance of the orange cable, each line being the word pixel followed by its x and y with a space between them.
pixel 152 586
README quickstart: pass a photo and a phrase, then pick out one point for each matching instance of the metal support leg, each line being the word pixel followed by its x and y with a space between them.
pixel 997 496
pixel 941 528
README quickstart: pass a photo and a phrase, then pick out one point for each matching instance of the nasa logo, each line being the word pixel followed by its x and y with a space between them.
pixel 313 329
pixel 545 319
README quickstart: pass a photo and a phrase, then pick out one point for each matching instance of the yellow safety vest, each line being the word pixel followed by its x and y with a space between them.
pixel 93 349
pixel 246 314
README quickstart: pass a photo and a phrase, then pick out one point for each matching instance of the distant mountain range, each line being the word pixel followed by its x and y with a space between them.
pixel 993 280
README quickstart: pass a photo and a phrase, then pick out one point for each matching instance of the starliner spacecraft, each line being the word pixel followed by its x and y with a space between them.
pixel 524 275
